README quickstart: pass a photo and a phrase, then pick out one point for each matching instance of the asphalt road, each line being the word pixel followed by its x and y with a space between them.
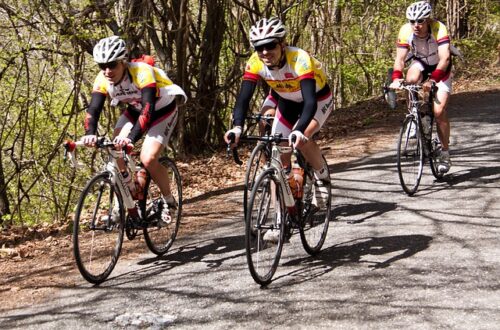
pixel 390 261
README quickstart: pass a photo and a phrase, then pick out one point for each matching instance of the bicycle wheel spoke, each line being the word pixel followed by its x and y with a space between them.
pixel 160 232
pixel 264 228
pixel 97 235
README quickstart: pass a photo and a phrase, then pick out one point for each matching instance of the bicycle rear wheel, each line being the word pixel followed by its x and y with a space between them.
pixel 255 164
pixel 159 234
pixel 98 229
pixel 316 214
pixel 264 229
pixel 410 155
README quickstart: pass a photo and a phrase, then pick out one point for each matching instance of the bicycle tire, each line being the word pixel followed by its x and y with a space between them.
pixel 97 234
pixel 435 150
pixel 266 216
pixel 158 234
pixel 316 214
pixel 410 156
pixel 254 164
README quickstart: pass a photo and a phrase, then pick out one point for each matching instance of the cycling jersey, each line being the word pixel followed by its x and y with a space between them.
pixel 286 80
pixel 140 75
pixel 147 90
pixel 296 86
pixel 424 49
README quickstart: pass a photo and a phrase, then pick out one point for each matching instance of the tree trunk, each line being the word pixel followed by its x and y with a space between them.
pixel 457 13
pixel 181 43
pixel 4 202
pixel 210 49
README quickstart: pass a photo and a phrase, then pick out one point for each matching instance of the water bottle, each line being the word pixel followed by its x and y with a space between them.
pixel 127 180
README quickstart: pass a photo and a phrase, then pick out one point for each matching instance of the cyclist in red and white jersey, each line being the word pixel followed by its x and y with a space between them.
pixel 429 43
pixel 151 108
pixel 298 85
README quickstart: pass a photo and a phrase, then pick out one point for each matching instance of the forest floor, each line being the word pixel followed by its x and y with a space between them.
pixel 36 261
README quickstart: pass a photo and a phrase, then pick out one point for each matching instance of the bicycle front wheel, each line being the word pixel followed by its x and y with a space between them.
pixel 160 233
pixel 316 215
pixel 255 164
pixel 98 229
pixel 264 228
pixel 410 155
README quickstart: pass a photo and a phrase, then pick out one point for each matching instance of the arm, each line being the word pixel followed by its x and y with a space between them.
pixel 93 112
pixel 243 102
pixel 399 63
pixel 148 107
pixel 240 110
pixel 308 89
pixel 444 61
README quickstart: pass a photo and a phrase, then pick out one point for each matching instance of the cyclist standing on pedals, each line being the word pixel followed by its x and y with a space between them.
pixel 299 88
pixel 429 43
pixel 151 109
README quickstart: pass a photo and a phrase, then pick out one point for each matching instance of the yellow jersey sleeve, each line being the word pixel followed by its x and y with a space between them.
pixel 404 36
pixel 142 75
pixel 100 84
pixel 253 67
pixel 440 33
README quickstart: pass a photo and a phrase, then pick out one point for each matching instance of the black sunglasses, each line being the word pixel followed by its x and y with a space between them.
pixel 268 47
pixel 110 65
pixel 419 21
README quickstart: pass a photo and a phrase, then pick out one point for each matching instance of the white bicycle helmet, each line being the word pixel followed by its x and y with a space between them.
pixel 267 30
pixel 418 10
pixel 110 49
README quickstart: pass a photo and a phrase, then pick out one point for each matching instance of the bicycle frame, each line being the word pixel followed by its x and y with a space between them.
pixel 275 163
pixel 117 179
pixel 111 166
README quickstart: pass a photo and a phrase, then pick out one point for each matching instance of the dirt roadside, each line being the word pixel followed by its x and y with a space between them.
pixel 35 262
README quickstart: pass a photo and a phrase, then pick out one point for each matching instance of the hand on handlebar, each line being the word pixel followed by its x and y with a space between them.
pixel 428 85
pixel 297 139
pixel 396 84
pixel 89 140
pixel 121 142
pixel 232 137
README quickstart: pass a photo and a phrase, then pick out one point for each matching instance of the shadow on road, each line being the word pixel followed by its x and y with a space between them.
pixel 356 251
pixel 365 210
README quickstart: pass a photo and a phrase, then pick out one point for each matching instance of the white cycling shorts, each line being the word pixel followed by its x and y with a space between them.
pixel 160 131
pixel 325 107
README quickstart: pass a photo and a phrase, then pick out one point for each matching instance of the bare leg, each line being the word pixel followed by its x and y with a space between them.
pixel 310 149
pixel 442 120
pixel 150 156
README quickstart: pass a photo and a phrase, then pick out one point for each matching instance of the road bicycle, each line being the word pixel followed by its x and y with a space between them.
pixel 273 213
pixel 107 208
pixel 418 139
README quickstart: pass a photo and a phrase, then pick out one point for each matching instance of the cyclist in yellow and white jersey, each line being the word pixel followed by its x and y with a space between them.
pixel 298 86
pixel 151 108
pixel 429 43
